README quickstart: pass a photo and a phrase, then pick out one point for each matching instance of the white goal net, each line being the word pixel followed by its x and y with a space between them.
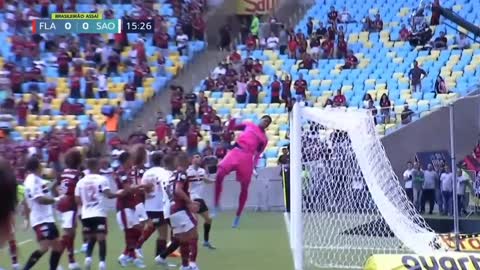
pixel 347 203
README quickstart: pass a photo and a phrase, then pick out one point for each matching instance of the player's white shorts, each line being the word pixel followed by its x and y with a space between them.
pixel 141 212
pixel 127 219
pixel 69 219
pixel 182 222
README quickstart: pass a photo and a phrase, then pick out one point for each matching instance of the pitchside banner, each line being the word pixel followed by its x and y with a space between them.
pixel 250 7
pixel 434 157
pixel 445 261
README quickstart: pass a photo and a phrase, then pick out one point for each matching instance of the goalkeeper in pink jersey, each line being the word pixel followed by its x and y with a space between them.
pixel 242 159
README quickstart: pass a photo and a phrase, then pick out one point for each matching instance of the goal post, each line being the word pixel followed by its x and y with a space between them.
pixel 346 201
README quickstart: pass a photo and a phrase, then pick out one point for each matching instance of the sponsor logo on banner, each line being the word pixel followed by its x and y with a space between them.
pixel 468 242
pixel 247 7
pixel 445 261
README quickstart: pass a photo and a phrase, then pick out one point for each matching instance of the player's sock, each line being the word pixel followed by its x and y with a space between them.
pixel 161 245
pixel 131 239
pixel 67 241
pixel 185 252
pixel 54 259
pixel 193 249
pixel 146 233
pixel 90 246
pixel 12 247
pixel 170 249
pixel 221 173
pixel 242 199
pixel 102 250
pixel 206 231
pixel 36 255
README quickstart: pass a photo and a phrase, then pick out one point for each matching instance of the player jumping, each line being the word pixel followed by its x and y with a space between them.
pixel 67 207
pixel 153 180
pixel 41 218
pixel 90 194
pixel 242 159
pixel 126 216
pixel 182 220
pixel 197 178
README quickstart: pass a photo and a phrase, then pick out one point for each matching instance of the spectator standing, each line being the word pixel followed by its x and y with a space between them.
pixel 332 16
pixel 283 40
pixel 446 180
pixel 462 183
pixel 328 48
pixel 431 180
pixel 416 75
pixel 182 42
pixel 272 42
pixel 181 130
pixel 418 179
pixel 310 26
pixel 241 93
pixel 373 110
pixel 193 137
pixel 22 113
pixel 385 107
pixel 225 38
pixel 436 12
pixel 292 47
pixel 102 86
pixel 407 178
pixel 342 48
pixel 199 27
pixel 275 88
pixel 216 132
pixel 253 88
pixel 255 26
pixel 286 88
pixel 300 86
pixel 162 131
pixel 321 31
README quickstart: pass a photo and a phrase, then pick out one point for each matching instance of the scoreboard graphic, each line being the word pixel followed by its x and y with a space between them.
pixel 89 23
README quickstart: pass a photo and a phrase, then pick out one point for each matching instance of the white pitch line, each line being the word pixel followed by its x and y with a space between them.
pixel 24 242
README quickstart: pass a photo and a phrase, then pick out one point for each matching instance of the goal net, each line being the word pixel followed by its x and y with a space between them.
pixel 347 203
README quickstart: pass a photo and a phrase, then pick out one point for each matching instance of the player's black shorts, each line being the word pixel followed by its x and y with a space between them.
pixel 157 218
pixel 203 206
pixel 46 231
pixel 95 225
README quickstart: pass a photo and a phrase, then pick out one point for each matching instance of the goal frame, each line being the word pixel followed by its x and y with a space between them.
pixel 296 218
pixel 408 226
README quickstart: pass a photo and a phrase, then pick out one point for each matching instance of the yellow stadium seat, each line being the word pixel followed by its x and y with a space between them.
pixel 326 83
pixel 315 82
pixel 380 128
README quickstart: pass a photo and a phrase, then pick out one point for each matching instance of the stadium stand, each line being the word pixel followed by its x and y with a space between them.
pixel 385 57
pixel 37 124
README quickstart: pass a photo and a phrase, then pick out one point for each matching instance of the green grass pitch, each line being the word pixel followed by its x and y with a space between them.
pixel 260 243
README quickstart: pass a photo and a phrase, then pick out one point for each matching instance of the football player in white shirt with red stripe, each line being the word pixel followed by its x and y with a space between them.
pixel 153 180
pixel 198 178
pixel 90 194
pixel 40 203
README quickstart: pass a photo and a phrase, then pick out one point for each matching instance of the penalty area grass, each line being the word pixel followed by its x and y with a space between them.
pixel 260 243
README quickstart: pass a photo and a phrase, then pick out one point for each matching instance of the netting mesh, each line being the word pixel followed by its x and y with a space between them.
pixel 353 205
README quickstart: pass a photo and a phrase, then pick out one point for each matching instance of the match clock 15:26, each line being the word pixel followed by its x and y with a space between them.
pixel 138 26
